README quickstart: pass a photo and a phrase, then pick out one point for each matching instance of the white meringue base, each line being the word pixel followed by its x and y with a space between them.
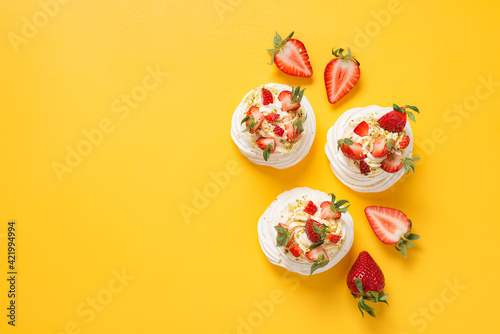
pixel 271 217
pixel 344 168
pixel 276 160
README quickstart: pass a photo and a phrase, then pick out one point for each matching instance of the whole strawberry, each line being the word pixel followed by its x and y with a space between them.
pixel 395 120
pixel 366 282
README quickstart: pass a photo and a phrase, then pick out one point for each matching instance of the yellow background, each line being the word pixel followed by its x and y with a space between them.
pixel 120 207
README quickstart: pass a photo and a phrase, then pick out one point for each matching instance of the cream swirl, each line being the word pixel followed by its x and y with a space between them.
pixel 346 170
pixel 287 153
pixel 288 209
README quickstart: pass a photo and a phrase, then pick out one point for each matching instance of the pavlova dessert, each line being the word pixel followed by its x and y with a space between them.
pixel 306 231
pixel 274 125
pixel 371 148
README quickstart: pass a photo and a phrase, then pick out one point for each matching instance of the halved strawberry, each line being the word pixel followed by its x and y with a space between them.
pixel 341 74
pixel 254 119
pixel 393 165
pixel 379 149
pixel 278 130
pixel 327 213
pixel 271 117
pixel 311 208
pixel 395 120
pixel 333 211
pixel 290 55
pixel 267 96
pixel 319 256
pixel 334 238
pixel 353 151
pixel 291 132
pixel 391 226
pixel 362 129
pixel 364 168
pixel 290 100
pixel 296 251
pixel 267 144
pixel 404 142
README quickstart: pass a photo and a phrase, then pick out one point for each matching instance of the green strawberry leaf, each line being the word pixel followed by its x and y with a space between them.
pixel 316 244
pixel 267 151
pixel 319 263
pixel 283 236
pixel 359 285
pixel 408 244
pixel 413 237
pixel 396 107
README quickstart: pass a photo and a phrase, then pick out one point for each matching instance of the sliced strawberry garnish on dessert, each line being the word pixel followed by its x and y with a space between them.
pixel 380 148
pixel 333 211
pixel 267 96
pixel 278 130
pixel 351 149
pixel 395 120
pixel 366 281
pixel 319 256
pixel 364 168
pixel 391 226
pixel 271 117
pixel 290 131
pixel 404 142
pixel 296 251
pixel 311 208
pixel 394 162
pixel 341 74
pixel 290 55
pixel 333 238
pixel 290 100
pixel 253 120
pixel 268 144
pixel 362 129
pixel 315 231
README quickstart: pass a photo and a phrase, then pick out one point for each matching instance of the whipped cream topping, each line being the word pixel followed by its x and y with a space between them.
pixel 347 170
pixel 288 208
pixel 286 153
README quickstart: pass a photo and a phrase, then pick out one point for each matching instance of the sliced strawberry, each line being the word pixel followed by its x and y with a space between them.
pixel 311 208
pixel 278 130
pixel 341 74
pixel 354 151
pixel 334 238
pixel 391 165
pixel 404 142
pixel 271 117
pixel 362 129
pixel 267 96
pixel 296 251
pixel 388 224
pixel 364 168
pixel 316 253
pixel 391 226
pixel 262 142
pixel 379 149
pixel 327 213
pixel 254 112
pixel 311 234
pixel 286 101
pixel 290 55
pixel 291 132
